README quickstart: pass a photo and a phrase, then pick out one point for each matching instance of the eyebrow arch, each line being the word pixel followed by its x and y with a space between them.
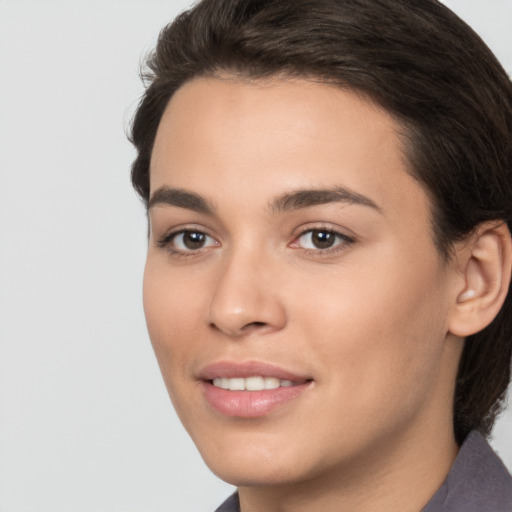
pixel 180 198
pixel 313 197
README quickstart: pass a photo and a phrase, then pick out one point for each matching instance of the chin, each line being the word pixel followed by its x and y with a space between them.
pixel 256 473
pixel 258 459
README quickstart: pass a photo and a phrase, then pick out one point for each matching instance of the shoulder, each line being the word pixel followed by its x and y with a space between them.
pixel 477 482
pixel 230 505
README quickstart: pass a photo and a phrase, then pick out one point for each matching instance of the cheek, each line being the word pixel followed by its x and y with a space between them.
pixel 171 309
pixel 381 330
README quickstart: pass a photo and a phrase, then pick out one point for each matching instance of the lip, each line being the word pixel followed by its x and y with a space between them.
pixel 248 369
pixel 250 404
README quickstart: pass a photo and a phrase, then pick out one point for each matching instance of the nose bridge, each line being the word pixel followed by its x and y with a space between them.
pixel 244 299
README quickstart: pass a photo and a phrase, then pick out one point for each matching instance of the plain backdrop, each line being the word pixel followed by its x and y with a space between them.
pixel 85 421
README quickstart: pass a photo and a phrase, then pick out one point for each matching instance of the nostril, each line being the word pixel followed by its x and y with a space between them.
pixel 244 329
pixel 254 326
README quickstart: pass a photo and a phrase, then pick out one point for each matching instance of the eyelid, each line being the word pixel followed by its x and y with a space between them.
pixel 165 241
pixel 346 240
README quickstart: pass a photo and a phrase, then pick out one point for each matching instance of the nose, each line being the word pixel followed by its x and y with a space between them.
pixel 246 299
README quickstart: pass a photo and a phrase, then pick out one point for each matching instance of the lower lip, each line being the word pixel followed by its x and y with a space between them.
pixel 250 404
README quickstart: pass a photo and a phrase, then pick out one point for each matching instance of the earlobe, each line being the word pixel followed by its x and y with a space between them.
pixel 486 260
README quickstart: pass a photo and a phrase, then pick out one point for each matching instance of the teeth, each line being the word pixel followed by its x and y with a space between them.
pixel 271 383
pixel 255 383
pixel 222 383
pixel 236 384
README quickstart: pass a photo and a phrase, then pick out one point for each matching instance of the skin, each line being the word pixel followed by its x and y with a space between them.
pixel 367 320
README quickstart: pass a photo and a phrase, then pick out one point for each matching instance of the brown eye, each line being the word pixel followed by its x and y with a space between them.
pixel 187 241
pixel 193 240
pixel 322 239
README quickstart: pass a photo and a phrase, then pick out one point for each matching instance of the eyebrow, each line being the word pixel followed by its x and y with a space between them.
pixel 295 200
pixel 180 198
pixel 313 197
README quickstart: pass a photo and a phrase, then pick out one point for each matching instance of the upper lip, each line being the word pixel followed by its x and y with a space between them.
pixel 231 369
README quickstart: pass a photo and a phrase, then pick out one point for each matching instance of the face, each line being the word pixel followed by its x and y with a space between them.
pixel 293 294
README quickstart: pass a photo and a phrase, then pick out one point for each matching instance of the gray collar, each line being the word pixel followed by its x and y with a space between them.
pixel 477 482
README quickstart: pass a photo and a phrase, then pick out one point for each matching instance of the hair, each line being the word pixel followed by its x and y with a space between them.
pixel 417 60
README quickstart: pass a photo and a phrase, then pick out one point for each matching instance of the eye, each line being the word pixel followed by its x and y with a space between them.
pixel 321 240
pixel 187 241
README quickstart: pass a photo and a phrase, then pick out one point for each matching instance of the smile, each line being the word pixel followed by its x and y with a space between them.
pixel 255 383
pixel 251 389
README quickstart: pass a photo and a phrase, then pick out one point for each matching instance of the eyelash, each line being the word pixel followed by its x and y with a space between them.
pixel 343 242
pixel 165 242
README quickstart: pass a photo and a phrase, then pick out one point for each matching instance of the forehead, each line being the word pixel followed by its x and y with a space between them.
pixel 269 136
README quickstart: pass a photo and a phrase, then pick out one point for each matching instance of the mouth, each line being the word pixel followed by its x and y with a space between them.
pixel 254 383
pixel 250 390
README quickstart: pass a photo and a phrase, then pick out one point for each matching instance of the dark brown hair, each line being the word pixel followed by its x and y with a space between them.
pixel 420 62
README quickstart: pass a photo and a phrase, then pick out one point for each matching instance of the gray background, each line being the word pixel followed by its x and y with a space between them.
pixel 85 422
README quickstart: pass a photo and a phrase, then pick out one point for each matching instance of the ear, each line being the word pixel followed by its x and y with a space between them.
pixel 485 262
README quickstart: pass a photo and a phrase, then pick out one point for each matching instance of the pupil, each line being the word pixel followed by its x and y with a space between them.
pixel 323 239
pixel 193 240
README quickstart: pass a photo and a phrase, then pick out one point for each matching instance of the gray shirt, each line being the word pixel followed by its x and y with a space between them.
pixel 478 482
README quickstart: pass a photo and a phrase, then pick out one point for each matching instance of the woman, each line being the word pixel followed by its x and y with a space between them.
pixel 328 186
